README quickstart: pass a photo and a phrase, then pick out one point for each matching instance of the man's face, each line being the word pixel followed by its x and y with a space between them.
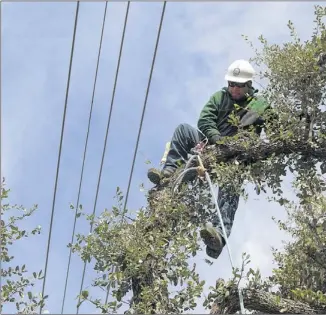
pixel 238 90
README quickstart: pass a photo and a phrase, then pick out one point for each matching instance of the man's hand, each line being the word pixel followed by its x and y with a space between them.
pixel 214 139
pixel 248 119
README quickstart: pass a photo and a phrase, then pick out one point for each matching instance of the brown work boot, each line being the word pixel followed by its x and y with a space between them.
pixel 168 171
pixel 155 175
pixel 213 241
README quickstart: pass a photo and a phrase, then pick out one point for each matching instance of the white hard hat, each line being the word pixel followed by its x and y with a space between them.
pixel 240 71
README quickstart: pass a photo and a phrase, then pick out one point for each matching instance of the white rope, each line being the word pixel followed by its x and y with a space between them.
pixel 179 179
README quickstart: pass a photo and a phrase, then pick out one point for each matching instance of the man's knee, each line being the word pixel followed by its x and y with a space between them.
pixel 186 131
pixel 183 127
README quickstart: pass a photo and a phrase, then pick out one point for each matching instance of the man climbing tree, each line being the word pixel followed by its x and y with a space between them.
pixel 239 99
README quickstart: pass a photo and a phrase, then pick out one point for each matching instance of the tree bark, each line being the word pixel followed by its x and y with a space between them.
pixel 264 302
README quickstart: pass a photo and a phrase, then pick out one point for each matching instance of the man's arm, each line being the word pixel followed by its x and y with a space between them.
pixel 208 117
pixel 257 108
pixel 270 118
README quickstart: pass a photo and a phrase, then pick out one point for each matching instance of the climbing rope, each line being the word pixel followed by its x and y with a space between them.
pixel 202 171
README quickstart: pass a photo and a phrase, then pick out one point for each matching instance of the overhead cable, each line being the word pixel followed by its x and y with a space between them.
pixel 145 104
pixel 141 121
pixel 84 156
pixel 106 136
pixel 60 150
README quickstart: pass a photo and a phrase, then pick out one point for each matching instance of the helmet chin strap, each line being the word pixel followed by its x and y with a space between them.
pixel 240 98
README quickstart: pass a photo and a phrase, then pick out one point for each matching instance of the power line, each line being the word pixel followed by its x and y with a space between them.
pixel 145 104
pixel 106 135
pixel 142 117
pixel 60 149
pixel 84 156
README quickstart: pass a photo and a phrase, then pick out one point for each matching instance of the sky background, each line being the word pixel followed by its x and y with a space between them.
pixel 198 42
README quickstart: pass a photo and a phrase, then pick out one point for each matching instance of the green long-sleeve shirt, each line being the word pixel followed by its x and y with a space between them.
pixel 213 119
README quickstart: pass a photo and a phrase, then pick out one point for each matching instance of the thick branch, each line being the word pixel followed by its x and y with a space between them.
pixel 264 302
pixel 263 150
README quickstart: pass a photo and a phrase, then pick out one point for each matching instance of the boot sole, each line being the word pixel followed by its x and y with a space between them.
pixel 154 177
pixel 213 242
pixel 210 239
pixel 213 253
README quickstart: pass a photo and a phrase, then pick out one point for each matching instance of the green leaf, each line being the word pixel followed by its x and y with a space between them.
pixel 85 294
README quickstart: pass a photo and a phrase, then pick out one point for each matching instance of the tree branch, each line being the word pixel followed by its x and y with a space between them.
pixel 263 302
pixel 263 150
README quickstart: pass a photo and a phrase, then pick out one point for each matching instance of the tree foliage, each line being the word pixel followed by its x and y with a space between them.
pixel 148 256
pixel 297 284
pixel 16 281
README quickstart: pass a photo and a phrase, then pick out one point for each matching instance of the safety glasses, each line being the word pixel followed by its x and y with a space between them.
pixel 236 84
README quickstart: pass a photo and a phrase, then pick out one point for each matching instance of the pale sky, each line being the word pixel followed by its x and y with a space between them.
pixel 198 42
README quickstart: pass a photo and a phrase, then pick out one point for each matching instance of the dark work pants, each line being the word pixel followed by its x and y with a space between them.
pixel 185 137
